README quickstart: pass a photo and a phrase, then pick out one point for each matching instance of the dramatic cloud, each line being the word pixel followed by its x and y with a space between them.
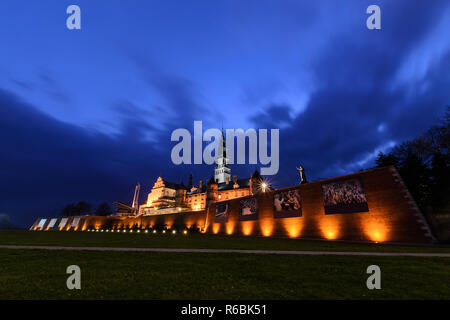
pixel 85 115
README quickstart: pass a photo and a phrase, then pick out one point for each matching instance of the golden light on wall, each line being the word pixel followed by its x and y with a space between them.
pixel 292 226
pixel 229 227
pixel 247 227
pixel 169 224
pixel 216 228
pixel 266 227
pixel 330 227
pixel 375 229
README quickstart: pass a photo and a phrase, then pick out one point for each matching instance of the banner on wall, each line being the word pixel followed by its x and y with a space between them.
pixel 287 204
pixel 63 222
pixel 222 212
pixel 41 223
pixel 75 222
pixel 345 196
pixel 248 209
pixel 52 223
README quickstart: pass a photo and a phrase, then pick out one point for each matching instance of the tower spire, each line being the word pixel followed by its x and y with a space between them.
pixel 222 171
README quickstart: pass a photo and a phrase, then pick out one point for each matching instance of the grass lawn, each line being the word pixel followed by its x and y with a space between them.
pixel 199 241
pixel 41 274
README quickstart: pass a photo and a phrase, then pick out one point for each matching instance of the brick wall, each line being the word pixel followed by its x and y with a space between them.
pixel 392 217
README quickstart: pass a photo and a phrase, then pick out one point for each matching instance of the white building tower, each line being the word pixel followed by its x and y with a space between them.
pixel 222 172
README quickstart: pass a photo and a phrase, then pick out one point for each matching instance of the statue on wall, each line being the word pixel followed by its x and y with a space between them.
pixel 301 171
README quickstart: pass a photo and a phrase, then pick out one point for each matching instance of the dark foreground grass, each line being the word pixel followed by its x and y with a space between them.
pixel 41 274
pixel 198 241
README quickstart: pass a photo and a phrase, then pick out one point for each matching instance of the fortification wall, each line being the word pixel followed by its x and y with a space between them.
pixel 391 214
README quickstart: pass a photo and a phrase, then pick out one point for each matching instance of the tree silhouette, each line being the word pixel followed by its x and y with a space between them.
pixel 76 209
pixel 424 165
pixel 103 210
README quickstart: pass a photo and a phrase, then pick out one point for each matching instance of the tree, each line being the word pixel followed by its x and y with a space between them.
pixel 440 187
pixel 76 209
pixel 69 210
pixel 384 160
pixel 103 210
pixel 424 165
pixel 84 207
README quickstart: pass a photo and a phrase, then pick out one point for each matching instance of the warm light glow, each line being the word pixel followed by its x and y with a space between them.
pixel 375 230
pixel 185 232
pixel 264 186
pixel 146 231
pixel 154 231
pixel 247 227
pixel 216 228
pixel 174 231
pixel 292 226
pixel 164 231
pixel 266 227
pixel 330 227
pixel 229 227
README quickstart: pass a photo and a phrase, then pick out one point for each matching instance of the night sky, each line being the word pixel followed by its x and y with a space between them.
pixel 86 114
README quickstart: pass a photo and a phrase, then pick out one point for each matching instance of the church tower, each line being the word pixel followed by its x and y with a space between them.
pixel 222 172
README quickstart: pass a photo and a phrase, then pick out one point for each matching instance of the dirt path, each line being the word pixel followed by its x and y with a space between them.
pixel 333 253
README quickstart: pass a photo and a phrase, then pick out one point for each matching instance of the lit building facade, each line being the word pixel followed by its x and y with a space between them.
pixel 168 197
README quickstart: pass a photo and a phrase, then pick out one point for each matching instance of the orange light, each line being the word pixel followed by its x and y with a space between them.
pixel 247 227
pixel 229 227
pixel 266 227
pixel 216 228
pixel 293 227
pixel 375 229
pixel 330 228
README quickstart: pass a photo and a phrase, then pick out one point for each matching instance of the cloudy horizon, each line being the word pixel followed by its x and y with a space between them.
pixel 86 114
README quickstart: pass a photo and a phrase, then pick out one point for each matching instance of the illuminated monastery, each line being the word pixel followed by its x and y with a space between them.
pixel 167 197
pixel 372 205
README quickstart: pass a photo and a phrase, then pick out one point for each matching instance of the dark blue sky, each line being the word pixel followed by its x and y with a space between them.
pixel 86 114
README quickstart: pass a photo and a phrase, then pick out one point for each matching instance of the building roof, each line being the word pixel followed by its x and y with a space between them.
pixel 243 183
pixel 175 186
